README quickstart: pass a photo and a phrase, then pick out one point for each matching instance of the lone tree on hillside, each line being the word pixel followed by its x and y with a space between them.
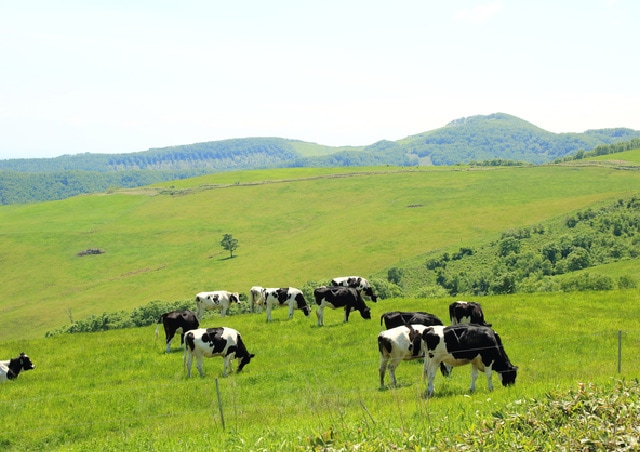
pixel 229 243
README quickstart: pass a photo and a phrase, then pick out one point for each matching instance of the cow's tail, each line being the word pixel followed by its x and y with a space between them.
pixel 498 340
pixel 452 314
pixel 189 345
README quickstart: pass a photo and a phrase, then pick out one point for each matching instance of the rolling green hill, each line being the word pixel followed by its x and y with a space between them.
pixel 293 226
pixel 476 139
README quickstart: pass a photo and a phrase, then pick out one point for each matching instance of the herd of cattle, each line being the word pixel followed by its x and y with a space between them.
pixel 408 335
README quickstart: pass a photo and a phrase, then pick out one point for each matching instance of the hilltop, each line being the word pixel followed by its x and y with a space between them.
pixel 466 140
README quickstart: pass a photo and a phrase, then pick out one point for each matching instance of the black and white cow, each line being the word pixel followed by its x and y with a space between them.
pixel 357 283
pixel 398 344
pixel 466 312
pixel 290 296
pixel 397 318
pixel 338 297
pixel 462 344
pixel 217 299
pixel 402 343
pixel 177 322
pixel 10 368
pixel 209 342
pixel 256 297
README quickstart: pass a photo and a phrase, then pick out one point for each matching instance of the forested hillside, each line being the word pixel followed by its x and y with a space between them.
pixel 502 136
pixel 477 139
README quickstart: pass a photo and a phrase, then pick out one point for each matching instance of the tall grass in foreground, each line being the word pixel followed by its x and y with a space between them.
pixel 309 387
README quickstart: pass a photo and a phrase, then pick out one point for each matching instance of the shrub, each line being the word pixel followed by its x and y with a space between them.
pixel 140 316
pixel 431 292
pixel 385 289
pixel 627 282
pixel 591 418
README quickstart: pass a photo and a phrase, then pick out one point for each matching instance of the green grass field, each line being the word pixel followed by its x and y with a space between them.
pixel 307 386
pixel 293 226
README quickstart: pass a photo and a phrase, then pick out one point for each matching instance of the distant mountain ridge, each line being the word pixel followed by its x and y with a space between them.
pixel 462 141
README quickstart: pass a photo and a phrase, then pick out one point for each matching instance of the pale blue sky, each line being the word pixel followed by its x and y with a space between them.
pixel 123 76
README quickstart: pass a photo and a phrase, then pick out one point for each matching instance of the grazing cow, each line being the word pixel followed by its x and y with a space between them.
pixel 290 296
pixel 218 299
pixel 337 297
pixel 256 297
pixel 222 341
pixel 10 368
pixel 466 312
pixel 462 344
pixel 398 344
pixel 397 318
pixel 357 283
pixel 177 322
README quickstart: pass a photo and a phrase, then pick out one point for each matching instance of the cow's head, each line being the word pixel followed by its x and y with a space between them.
pixel 25 362
pixel 508 377
pixel 244 360
pixel 302 304
pixel 366 313
pixel 234 297
pixel 368 291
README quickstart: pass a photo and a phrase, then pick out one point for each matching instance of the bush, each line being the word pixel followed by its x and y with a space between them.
pixel 384 289
pixel 587 281
pixel 627 282
pixel 590 418
pixel 431 292
pixel 140 316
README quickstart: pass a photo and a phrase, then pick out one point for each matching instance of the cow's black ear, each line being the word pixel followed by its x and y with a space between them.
pixel 251 355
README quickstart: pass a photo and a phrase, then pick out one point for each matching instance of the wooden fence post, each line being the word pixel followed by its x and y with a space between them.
pixel 220 406
pixel 619 351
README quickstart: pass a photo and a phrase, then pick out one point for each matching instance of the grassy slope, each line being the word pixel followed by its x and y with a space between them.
pixel 292 226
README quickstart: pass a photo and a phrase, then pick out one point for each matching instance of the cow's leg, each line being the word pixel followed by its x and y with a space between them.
pixel 223 312
pixel 199 365
pixel 188 361
pixel 395 362
pixel 445 370
pixel 268 313
pixel 320 314
pixel 226 367
pixel 347 310
pixel 488 372
pixel 474 376
pixel 382 369
pixel 429 371
pixel 291 310
pixel 169 338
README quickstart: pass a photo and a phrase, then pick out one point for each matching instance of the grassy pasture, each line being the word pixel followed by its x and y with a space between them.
pixel 293 225
pixel 307 386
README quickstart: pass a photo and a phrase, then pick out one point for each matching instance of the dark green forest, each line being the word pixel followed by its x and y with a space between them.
pixel 498 139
